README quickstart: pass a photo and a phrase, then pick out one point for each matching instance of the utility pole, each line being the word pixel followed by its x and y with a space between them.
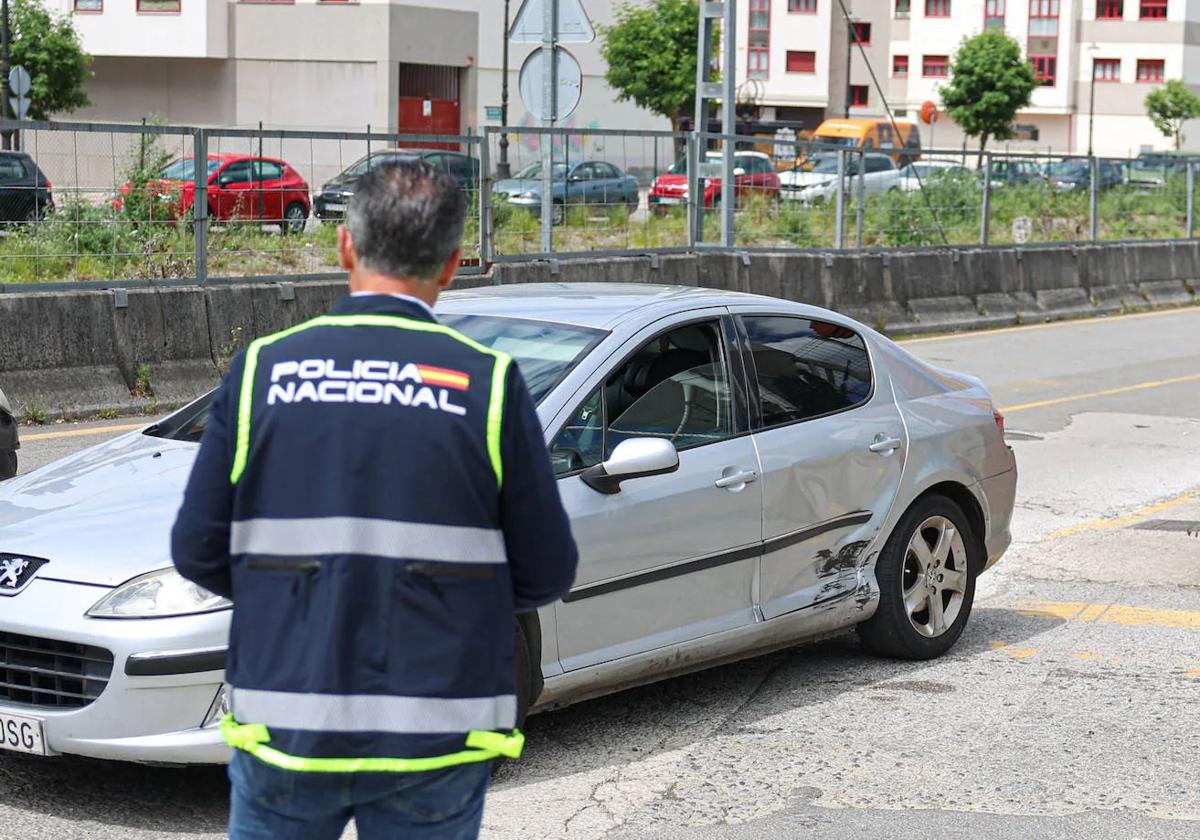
pixel 1092 50
pixel 5 66
pixel 503 170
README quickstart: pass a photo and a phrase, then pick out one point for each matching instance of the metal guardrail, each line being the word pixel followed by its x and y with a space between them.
pixel 99 209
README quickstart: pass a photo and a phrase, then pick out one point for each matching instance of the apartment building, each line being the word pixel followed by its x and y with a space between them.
pixel 411 66
pixel 796 55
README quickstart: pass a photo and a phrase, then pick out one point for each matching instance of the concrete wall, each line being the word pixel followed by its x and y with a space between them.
pixel 76 353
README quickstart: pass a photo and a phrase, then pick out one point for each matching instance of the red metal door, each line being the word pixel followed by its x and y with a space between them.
pixel 429 103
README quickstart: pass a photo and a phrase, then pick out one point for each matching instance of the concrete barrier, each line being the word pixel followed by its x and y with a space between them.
pixel 79 353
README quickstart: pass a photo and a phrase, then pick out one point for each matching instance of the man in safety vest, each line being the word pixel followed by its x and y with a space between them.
pixel 374 494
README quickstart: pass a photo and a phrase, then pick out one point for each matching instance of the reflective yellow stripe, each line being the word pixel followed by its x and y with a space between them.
pixel 481 746
pixel 246 398
pixel 496 416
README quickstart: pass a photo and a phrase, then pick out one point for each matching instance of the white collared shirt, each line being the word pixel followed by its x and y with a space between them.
pixel 408 298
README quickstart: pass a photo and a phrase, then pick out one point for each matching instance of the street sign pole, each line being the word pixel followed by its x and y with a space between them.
pixel 549 111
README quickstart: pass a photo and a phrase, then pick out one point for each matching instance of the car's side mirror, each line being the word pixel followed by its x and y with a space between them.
pixel 634 458
pixel 739 171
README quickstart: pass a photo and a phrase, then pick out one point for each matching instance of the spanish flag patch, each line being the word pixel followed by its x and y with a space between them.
pixel 444 378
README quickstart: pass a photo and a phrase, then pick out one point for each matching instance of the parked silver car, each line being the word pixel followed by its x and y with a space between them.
pixel 819 182
pixel 742 474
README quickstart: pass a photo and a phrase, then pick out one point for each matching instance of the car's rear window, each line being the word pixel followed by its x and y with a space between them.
pixel 545 351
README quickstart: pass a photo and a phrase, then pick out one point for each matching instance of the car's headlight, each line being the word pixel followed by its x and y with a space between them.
pixel 530 194
pixel 160 594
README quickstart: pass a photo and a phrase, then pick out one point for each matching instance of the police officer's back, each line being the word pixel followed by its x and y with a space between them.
pixel 373 492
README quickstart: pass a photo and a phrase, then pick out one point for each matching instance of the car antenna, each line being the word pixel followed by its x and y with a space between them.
pixel 891 119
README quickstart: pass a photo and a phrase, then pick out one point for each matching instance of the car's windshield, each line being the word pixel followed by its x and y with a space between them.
pixel 827 164
pixel 185 169
pixel 1068 167
pixel 545 351
pixel 534 170
pixel 848 142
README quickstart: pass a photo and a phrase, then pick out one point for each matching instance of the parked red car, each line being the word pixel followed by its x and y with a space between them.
pixel 753 175
pixel 239 187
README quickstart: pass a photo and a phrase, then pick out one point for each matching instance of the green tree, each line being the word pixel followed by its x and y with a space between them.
pixel 1170 106
pixel 651 55
pixel 989 83
pixel 46 44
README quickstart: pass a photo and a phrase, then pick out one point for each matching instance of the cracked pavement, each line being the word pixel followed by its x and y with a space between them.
pixel 1068 709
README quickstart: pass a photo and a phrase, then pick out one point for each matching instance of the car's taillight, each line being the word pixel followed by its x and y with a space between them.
pixel 999 419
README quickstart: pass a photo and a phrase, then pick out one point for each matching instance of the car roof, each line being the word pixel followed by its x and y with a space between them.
pixel 596 305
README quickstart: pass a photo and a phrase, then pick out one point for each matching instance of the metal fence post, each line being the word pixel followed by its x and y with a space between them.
pixel 1093 198
pixel 728 184
pixel 485 199
pixel 695 201
pixel 861 190
pixel 1191 199
pixel 200 204
pixel 839 213
pixel 985 222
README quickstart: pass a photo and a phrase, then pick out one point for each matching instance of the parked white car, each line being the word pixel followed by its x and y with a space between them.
pixel 819 183
pixel 919 174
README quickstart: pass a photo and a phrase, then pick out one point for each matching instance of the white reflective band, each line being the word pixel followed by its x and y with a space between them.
pixel 374 537
pixel 373 713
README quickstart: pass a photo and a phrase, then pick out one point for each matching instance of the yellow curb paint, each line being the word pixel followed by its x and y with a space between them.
pixel 1108 392
pixel 1124 615
pixel 70 433
pixel 1121 521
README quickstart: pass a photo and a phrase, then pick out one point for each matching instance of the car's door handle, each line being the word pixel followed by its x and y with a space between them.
pixel 885 446
pixel 737 479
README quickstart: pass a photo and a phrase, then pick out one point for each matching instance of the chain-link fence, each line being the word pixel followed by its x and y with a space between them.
pixel 129 204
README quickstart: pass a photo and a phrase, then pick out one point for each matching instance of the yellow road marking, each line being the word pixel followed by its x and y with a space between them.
pixel 1158 313
pixel 1125 389
pixel 69 433
pixel 1121 521
pixel 1124 615
pixel 1015 653
pixel 1193 674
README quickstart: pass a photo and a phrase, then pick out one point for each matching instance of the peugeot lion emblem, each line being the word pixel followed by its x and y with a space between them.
pixel 16 572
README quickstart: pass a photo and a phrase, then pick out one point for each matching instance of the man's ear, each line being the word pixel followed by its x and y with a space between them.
pixel 345 248
pixel 446 278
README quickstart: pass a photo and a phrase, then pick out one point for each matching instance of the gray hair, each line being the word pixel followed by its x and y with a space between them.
pixel 406 219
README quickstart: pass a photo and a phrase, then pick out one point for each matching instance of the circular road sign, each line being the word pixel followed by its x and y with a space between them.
pixel 929 112
pixel 570 85
pixel 18 81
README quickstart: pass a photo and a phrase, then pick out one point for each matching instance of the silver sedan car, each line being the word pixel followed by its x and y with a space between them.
pixel 742 474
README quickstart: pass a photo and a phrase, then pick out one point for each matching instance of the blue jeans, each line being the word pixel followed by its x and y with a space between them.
pixel 267 803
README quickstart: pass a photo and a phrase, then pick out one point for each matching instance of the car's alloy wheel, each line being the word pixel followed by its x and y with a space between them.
pixel 926 574
pixel 558 213
pixel 934 577
pixel 295 217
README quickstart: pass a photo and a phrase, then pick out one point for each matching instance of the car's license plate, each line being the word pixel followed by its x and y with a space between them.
pixel 21 734
pixel 670 200
pixel 335 208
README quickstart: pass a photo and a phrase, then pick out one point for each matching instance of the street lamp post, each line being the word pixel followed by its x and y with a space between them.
pixel 1092 50
pixel 503 170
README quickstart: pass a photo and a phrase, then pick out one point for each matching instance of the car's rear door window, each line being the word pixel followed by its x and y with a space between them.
pixel 11 170
pixel 806 368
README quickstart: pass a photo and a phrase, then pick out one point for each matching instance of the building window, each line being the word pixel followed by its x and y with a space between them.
pixel 1043 18
pixel 935 66
pixel 862 34
pixel 802 7
pixel 1150 70
pixel 758 59
pixel 937 8
pixel 993 14
pixel 159 6
pixel 1153 9
pixel 858 96
pixel 1110 9
pixel 900 66
pixel 903 8
pixel 801 61
pixel 1045 69
pixel 1106 69
pixel 89 6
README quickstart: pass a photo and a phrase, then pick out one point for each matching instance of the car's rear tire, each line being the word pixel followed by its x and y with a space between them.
pixel 295 218
pixel 8 465
pixel 926 574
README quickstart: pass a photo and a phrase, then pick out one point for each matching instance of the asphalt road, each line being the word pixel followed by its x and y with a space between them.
pixel 1068 710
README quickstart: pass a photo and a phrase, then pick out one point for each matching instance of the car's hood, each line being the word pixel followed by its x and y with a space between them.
pixel 516 186
pixel 102 515
pixel 340 183
pixel 794 178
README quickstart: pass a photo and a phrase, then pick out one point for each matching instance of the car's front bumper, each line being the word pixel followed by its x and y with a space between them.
pixel 331 206
pixel 135 718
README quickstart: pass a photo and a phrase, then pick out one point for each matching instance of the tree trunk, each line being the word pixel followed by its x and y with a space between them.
pixel 983 139
pixel 1178 136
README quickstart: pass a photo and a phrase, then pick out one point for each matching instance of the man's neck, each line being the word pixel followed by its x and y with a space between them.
pixel 363 282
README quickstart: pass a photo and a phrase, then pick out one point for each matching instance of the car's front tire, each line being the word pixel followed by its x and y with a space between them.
pixel 926 574
pixel 295 219
pixel 8 465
